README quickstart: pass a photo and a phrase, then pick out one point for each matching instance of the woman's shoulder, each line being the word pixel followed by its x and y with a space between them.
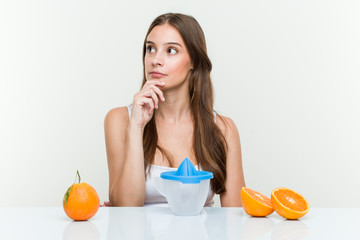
pixel 226 125
pixel 117 116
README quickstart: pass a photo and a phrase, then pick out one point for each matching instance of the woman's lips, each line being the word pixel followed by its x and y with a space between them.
pixel 157 74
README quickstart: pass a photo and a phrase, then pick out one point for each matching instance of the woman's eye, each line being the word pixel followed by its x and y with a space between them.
pixel 172 51
pixel 150 49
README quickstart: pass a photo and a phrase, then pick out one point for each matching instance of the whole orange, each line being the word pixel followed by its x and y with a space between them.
pixel 288 203
pixel 81 201
pixel 255 203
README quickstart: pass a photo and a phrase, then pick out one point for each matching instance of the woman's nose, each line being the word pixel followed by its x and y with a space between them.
pixel 158 60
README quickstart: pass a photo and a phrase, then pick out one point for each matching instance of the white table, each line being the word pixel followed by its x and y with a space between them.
pixel 51 223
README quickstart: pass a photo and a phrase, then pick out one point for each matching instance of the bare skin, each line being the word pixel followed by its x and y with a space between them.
pixel 165 97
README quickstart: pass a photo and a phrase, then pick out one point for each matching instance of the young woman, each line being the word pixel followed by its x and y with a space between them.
pixel 171 118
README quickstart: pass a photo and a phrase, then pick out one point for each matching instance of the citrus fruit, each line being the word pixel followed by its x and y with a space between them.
pixel 288 203
pixel 81 201
pixel 255 203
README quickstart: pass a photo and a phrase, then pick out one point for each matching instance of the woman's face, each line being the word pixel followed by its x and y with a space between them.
pixel 166 58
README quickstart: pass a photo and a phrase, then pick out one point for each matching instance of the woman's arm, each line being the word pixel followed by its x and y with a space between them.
pixel 125 159
pixel 234 170
pixel 124 146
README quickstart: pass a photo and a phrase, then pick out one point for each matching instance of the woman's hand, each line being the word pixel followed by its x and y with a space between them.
pixel 145 102
pixel 105 204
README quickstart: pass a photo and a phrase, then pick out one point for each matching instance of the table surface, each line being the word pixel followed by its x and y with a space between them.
pixel 159 223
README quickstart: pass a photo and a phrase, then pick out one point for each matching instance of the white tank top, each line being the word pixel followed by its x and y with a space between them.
pixel 152 195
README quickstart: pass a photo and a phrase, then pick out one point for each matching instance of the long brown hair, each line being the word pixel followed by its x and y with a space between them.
pixel 209 144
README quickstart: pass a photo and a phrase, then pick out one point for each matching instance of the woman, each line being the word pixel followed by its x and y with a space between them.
pixel 172 118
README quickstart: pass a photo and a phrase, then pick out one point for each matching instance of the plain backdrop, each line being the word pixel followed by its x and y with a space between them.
pixel 287 72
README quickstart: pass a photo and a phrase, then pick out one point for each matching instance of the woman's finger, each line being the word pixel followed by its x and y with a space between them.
pixel 154 83
pixel 155 93
pixel 145 93
pixel 147 101
pixel 159 93
pixel 155 98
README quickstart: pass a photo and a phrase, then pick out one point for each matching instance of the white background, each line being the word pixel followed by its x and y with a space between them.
pixel 287 72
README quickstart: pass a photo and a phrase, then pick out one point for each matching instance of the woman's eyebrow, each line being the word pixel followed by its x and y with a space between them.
pixel 173 43
pixel 168 43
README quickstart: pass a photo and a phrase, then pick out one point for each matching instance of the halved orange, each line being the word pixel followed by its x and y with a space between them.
pixel 255 203
pixel 288 203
